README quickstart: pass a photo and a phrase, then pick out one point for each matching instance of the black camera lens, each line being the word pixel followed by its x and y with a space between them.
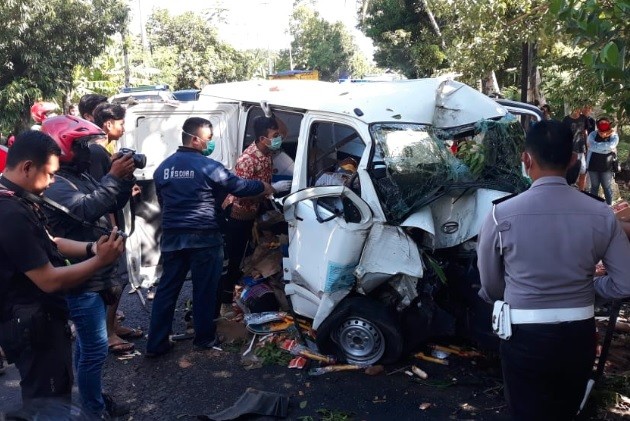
pixel 139 160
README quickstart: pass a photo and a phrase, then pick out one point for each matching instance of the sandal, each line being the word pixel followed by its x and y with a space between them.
pixel 121 348
pixel 130 333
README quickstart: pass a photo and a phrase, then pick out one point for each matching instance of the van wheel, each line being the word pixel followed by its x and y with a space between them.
pixel 361 331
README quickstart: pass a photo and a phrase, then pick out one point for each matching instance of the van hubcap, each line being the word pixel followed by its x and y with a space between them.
pixel 361 341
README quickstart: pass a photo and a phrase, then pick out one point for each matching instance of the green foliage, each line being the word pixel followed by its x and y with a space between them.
pixel 187 50
pixel 271 354
pixel 403 37
pixel 602 29
pixel 318 44
pixel 41 42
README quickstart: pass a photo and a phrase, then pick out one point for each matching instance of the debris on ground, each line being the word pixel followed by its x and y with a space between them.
pixel 254 402
pixel 418 372
pixel 424 357
pixel 424 406
pixel 334 368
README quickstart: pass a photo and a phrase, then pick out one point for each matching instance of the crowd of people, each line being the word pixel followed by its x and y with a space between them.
pixel 75 164
pixel 70 264
pixel 595 143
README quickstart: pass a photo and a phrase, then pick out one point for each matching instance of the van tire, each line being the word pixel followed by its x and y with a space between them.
pixel 371 332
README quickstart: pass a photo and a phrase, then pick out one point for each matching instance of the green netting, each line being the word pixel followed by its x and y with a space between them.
pixel 421 165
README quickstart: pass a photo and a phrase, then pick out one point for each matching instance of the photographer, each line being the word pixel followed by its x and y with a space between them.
pixel 111 118
pixel 90 201
pixel 34 331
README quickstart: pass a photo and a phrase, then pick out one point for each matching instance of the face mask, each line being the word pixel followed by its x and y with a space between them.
pixel 209 148
pixel 276 143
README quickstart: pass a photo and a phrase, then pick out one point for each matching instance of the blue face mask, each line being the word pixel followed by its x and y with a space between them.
pixel 209 148
pixel 276 143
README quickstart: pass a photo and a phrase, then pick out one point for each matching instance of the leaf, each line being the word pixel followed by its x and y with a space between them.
pixel 556 5
pixel 610 53
pixel 436 268
pixel 303 404
pixel 588 59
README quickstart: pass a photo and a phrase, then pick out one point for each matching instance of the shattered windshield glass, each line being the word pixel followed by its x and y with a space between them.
pixel 418 164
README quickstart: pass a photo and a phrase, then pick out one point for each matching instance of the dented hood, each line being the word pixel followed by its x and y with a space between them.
pixel 458 105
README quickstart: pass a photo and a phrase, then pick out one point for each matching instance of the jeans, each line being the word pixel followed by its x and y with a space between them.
pixel 205 265
pixel 605 179
pixel 546 368
pixel 87 311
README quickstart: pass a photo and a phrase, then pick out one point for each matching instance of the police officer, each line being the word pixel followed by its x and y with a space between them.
pixel 537 252
pixel 34 330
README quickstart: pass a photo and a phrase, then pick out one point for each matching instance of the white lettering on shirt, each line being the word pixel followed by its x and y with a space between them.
pixel 173 173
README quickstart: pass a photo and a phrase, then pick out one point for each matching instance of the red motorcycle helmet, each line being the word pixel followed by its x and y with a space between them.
pixel 40 110
pixel 66 130
pixel 3 157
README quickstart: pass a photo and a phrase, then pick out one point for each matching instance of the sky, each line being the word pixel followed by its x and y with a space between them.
pixel 255 23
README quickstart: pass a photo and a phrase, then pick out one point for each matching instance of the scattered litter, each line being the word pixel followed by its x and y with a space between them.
pixel 298 362
pixel 375 370
pixel 303 404
pixel 409 373
pixel 294 348
pixel 424 406
pixel 455 350
pixel 439 354
pixel 251 346
pixel 129 355
pixel 424 357
pixel 418 372
pixel 266 317
pixel 398 370
pixel 254 402
pixel 334 368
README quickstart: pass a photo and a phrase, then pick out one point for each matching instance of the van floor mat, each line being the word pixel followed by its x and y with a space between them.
pixel 253 402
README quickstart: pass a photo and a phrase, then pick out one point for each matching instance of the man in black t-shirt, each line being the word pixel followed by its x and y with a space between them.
pixel 34 273
pixel 577 122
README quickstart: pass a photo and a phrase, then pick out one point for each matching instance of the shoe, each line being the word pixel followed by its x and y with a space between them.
pixel 169 348
pixel 114 409
pixel 211 345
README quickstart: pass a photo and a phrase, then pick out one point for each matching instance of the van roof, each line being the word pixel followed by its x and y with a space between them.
pixel 437 101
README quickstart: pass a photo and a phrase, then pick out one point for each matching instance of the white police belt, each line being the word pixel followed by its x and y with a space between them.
pixel 551 315
pixel 503 317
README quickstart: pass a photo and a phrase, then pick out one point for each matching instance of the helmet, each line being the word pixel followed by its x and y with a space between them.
pixel 3 157
pixel 66 130
pixel 40 109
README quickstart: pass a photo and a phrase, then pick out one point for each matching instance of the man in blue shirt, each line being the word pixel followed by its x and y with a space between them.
pixel 190 187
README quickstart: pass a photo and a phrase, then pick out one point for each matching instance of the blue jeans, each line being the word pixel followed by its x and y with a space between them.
pixel 87 311
pixel 605 179
pixel 205 265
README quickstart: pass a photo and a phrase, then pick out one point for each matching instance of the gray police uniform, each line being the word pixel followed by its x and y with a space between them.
pixel 537 252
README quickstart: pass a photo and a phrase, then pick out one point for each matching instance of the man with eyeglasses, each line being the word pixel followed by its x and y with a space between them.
pixel 190 186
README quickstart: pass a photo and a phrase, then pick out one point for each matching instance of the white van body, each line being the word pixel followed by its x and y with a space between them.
pixel 343 241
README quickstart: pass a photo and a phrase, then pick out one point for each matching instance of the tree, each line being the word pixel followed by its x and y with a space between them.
pixel 187 50
pixel 404 36
pixel 40 45
pixel 328 47
pixel 602 29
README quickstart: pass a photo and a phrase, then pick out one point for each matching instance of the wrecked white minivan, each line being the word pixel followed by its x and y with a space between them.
pixel 388 259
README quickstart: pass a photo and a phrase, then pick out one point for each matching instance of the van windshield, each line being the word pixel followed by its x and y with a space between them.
pixel 414 164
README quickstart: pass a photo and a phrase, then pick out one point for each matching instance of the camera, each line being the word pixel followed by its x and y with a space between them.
pixel 139 160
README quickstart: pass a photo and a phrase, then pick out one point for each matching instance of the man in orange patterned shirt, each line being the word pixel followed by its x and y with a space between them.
pixel 256 163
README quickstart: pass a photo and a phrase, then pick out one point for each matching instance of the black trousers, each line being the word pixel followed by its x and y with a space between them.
pixel 546 368
pixel 237 234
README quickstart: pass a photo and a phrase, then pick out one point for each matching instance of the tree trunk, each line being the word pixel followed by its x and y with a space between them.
pixel 490 84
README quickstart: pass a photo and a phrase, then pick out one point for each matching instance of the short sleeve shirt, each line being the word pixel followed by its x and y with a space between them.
pixel 25 245
pixel 251 165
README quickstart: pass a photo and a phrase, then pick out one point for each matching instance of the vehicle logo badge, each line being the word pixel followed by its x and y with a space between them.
pixel 450 227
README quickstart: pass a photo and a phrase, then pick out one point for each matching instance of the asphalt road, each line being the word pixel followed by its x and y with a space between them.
pixel 188 383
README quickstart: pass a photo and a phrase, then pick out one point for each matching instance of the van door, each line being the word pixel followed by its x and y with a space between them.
pixel 328 220
pixel 155 130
